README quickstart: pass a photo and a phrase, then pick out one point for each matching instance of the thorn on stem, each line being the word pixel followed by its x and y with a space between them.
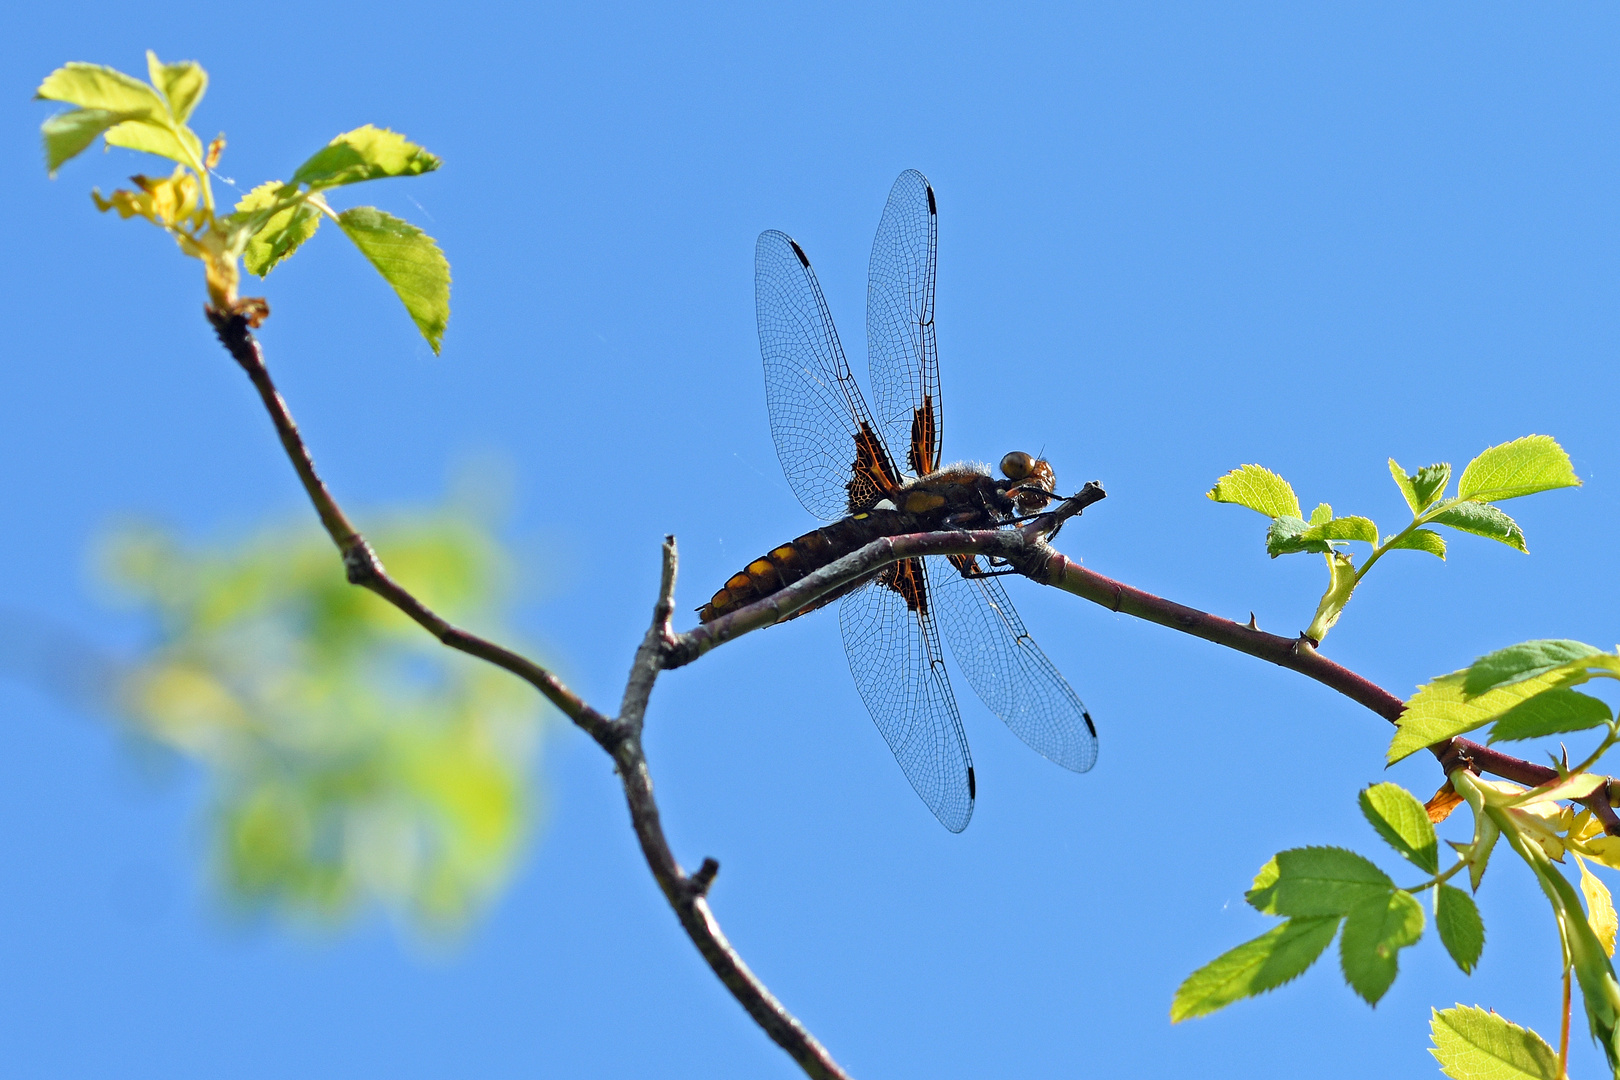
pixel 1252 624
pixel 1456 757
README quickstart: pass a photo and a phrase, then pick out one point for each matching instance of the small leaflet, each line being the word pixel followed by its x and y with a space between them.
pixel 1275 957
pixel 409 261
pixel 1374 933
pixel 1473 1044
pixel 1521 467
pixel 1259 489
pixel 1462 931
pixel 1401 820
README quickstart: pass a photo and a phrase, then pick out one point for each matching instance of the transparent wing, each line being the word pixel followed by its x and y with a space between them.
pixel 1007 669
pixel 819 421
pixel 901 352
pixel 899 669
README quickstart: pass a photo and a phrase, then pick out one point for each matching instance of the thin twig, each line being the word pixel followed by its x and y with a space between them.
pixel 621 736
pixel 361 564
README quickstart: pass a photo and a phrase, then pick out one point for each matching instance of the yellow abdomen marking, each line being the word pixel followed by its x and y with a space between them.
pixel 919 502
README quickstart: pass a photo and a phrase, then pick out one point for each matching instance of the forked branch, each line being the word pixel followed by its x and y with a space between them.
pixel 620 736
pixel 1025 549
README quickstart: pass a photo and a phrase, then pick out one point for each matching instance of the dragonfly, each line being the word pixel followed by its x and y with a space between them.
pixel 839 457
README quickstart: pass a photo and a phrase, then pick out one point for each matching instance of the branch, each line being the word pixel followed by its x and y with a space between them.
pixel 1027 551
pixel 1297 654
pixel 620 737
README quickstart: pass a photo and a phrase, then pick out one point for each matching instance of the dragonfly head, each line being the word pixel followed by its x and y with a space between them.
pixel 1033 481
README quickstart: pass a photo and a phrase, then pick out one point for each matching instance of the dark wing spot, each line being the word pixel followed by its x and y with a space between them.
pixel 933 210
pixel 922 455
pixel 799 251
pixel 873 472
pixel 973 787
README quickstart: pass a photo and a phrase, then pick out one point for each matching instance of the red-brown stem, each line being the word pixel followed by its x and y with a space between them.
pixel 1298 655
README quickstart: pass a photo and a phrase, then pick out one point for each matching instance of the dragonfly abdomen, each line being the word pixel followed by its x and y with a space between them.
pixel 792 561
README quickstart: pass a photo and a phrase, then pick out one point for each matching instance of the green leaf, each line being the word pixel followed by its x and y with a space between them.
pixel 1429 483
pixel 1374 932
pixel 1461 930
pixel 1315 881
pixel 182 84
pixel 1341 583
pixel 1273 958
pixel 1403 823
pixel 1472 1044
pixel 1258 489
pixel 1523 661
pixel 1521 467
pixel 408 260
pixel 1575 785
pixel 154 138
pixel 281 234
pixel 1404 482
pixel 1286 537
pixel 1422 540
pixel 1478 851
pixel 91 86
pixel 69 134
pixel 1322 514
pixel 1441 709
pixel 1482 519
pixel 366 153
pixel 1486 832
pixel 1549 713
pixel 1345 528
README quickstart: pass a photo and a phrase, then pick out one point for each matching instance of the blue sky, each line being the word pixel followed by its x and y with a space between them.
pixel 1173 239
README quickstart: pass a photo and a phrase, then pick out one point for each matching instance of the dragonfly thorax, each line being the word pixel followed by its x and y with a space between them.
pixel 966 496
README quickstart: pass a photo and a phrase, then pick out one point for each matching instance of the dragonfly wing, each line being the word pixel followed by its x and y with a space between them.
pixel 899 669
pixel 1007 669
pixel 901 351
pixel 823 431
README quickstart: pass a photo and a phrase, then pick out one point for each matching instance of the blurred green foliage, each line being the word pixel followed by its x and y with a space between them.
pixel 351 758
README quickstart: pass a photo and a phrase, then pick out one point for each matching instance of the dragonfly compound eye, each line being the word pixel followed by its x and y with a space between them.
pixel 1016 465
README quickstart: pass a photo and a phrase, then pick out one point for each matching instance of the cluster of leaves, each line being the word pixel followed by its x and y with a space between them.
pixel 351 758
pixel 1524 692
pixel 1522 467
pixel 269 223
pixel 1316 889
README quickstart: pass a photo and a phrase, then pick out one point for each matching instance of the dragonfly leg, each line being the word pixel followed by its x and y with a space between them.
pixel 973 575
